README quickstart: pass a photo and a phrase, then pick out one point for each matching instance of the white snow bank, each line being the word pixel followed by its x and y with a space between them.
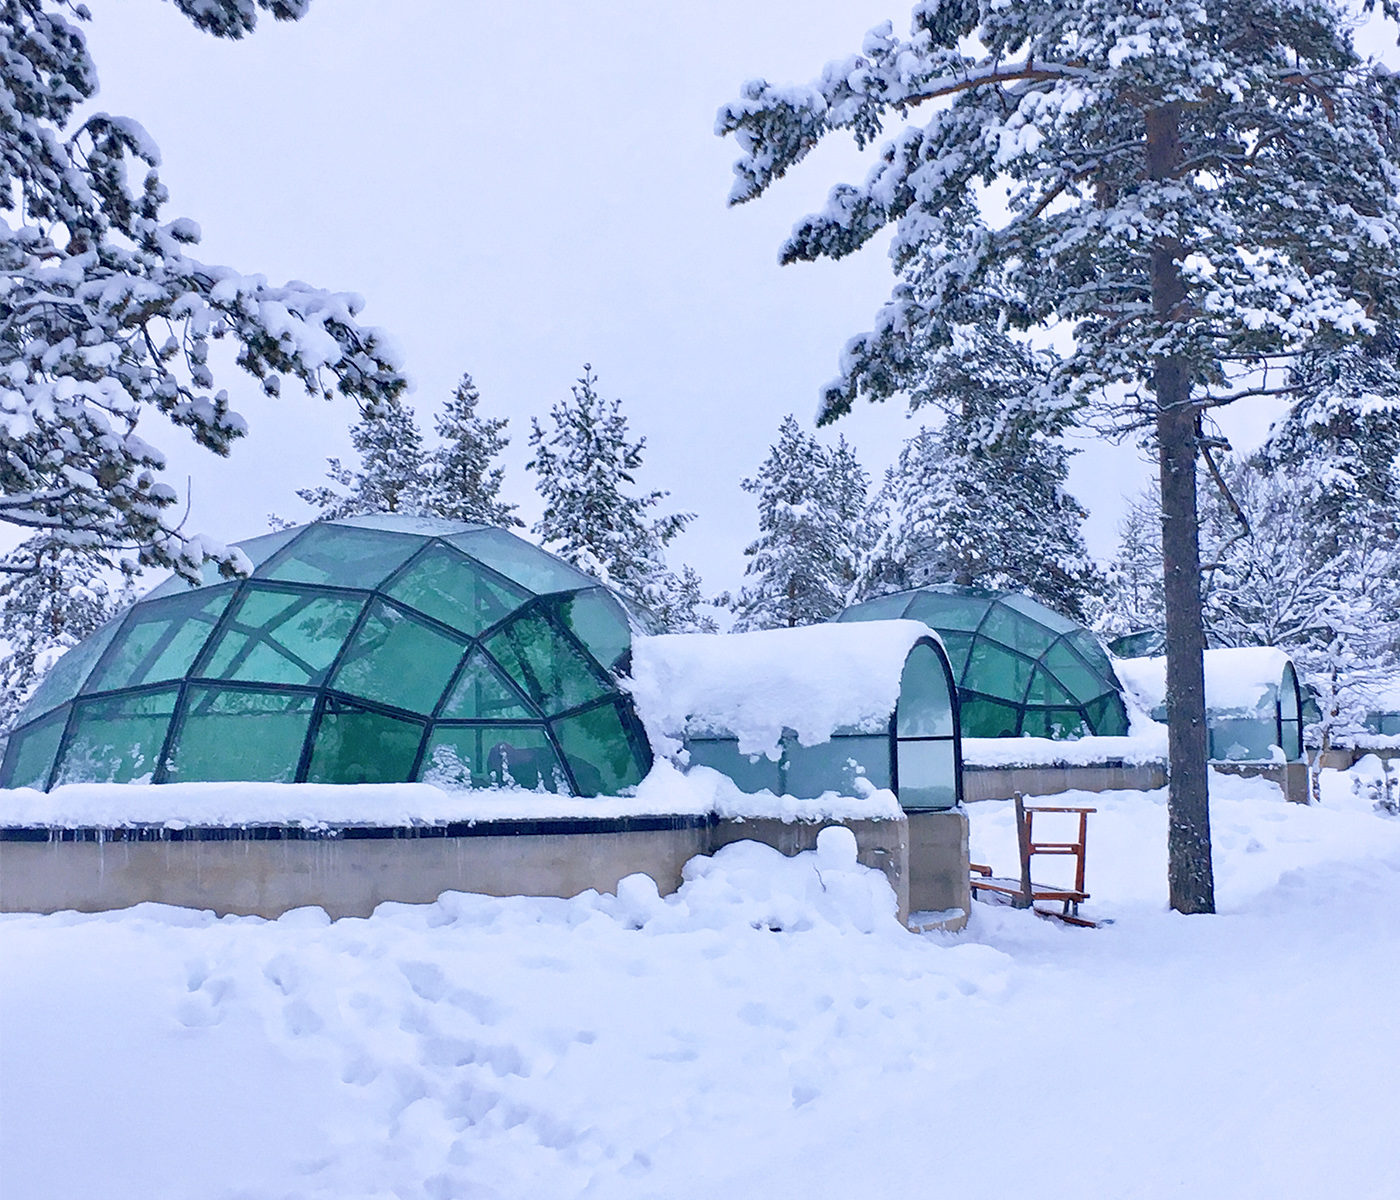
pixel 811 680
pixel 1238 680
pixel 665 791
pixel 1147 746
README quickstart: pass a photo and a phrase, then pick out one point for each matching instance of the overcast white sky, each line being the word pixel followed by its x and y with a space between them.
pixel 517 189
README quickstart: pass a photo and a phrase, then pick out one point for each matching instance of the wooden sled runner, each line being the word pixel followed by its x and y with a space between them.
pixel 1023 892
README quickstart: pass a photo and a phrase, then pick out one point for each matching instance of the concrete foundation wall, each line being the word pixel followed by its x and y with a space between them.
pixel 349 876
pixel 1001 783
pixel 1291 777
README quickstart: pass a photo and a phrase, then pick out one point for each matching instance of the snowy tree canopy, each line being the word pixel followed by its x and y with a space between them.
pixel 392 477
pixel 464 483
pixel 811 532
pixel 104 314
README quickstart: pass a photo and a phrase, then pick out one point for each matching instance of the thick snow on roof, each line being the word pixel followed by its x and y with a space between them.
pixel 1238 679
pixel 811 680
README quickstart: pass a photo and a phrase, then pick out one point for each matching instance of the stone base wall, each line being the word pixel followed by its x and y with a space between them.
pixel 349 875
pixel 1002 783
pixel 1291 777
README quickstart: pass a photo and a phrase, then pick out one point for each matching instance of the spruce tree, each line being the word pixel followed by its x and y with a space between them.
pixel 812 528
pixel 107 318
pixel 464 484
pixel 1132 600
pixel 1196 195
pixel 585 465
pixel 392 476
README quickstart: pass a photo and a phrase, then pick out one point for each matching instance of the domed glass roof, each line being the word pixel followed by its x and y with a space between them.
pixel 372 650
pixel 1022 669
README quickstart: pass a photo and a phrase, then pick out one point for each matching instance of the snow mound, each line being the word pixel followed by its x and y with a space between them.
pixel 754 686
pixel 1238 679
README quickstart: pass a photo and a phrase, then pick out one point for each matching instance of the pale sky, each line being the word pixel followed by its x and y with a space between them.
pixel 517 189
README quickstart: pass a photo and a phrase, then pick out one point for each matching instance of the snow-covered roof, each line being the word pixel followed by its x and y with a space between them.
pixel 1238 679
pixel 754 686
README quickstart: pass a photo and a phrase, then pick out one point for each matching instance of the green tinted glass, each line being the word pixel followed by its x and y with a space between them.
pixel 62 683
pixel 750 774
pixel 398 660
pixel 493 756
pixel 834 766
pixel 1106 715
pixel 1010 628
pixel 1056 723
pixel 544 664
pixel 257 550
pixel 597 620
pixel 355 745
pixel 1046 691
pixel 928 776
pixel 1038 613
pixel 161 641
pixel 982 717
pixel 117 739
pixel 1092 653
pixel 958 647
pixel 29 755
pixel 942 611
pixel 1242 739
pixel 882 608
pixel 997 672
pixel 1072 673
pixel 483 693
pixel 282 637
pixel 339 555
pixel 229 733
pixel 527 565
pixel 450 588
pixel 925 705
pixel 599 751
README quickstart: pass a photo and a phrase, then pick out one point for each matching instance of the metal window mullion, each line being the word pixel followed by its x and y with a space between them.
pixel 177 720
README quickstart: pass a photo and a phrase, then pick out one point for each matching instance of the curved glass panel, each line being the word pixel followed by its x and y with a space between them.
pixel 341 556
pixel 450 588
pixel 493 756
pixel 517 560
pixel 30 753
pixel 598 750
pixel 881 608
pixel 358 745
pixel 598 621
pixel 925 706
pixel 482 693
pixel 117 739
pixel 398 660
pixel 545 665
pixel 161 640
pixel 240 734
pixel 63 682
pixel 282 637
pixel 984 717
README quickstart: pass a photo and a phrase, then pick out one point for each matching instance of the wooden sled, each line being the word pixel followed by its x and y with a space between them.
pixel 1023 892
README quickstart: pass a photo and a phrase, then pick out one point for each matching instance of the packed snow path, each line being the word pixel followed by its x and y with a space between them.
pixel 635 1047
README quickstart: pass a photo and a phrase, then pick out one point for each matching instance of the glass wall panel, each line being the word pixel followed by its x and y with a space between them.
pixel 483 693
pixel 545 665
pixel 925 705
pixel 1045 690
pixel 943 611
pixel 597 620
pixel 355 745
pixel 1034 611
pixel 599 751
pixel 282 637
pixel 881 608
pixel 230 733
pixel 398 660
pixel 997 671
pixel 927 775
pixel 117 739
pixel 1242 739
pixel 1011 629
pixel 527 565
pixel 834 765
pixel 66 678
pixel 1073 673
pixel 161 640
pixel 1107 716
pixel 341 556
pixel 257 550
pixel 1055 723
pixel 983 717
pixel 958 647
pixel 450 588
pixel 1088 648
pixel 29 755
pixel 750 774
pixel 493 756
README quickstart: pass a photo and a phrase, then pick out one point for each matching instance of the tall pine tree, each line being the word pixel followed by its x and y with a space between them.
pixel 393 473
pixel 811 531
pixel 464 482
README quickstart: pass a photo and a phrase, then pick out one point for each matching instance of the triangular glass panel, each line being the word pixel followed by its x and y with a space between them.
pixel 451 588
pixel 482 693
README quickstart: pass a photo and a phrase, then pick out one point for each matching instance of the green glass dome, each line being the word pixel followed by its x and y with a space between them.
pixel 373 650
pixel 1022 669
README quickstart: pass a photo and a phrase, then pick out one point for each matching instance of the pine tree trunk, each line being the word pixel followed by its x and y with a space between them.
pixel 1190 875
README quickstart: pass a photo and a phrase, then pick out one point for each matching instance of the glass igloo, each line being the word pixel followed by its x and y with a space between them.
pixel 1022 669
pixel 372 650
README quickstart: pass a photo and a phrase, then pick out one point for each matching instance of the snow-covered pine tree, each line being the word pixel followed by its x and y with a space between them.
pixel 107 317
pixel 981 500
pixel 1194 194
pixel 68 594
pixel 463 482
pixel 585 464
pixel 811 530
pixel 393 474
pixel 1132 600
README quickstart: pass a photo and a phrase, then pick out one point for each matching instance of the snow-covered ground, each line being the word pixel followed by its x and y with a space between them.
pixel 769 1032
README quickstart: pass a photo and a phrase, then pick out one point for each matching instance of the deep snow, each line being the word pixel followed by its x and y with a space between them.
pixel 640 1047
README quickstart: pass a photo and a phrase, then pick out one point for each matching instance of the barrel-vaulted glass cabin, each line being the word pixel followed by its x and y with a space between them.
pixel 377 649
pixel 807 711
pixel 1253 701
pixel 1022 670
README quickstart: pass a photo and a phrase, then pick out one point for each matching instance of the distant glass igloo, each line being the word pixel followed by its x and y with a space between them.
pixel 377 649
pixel 1022 669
